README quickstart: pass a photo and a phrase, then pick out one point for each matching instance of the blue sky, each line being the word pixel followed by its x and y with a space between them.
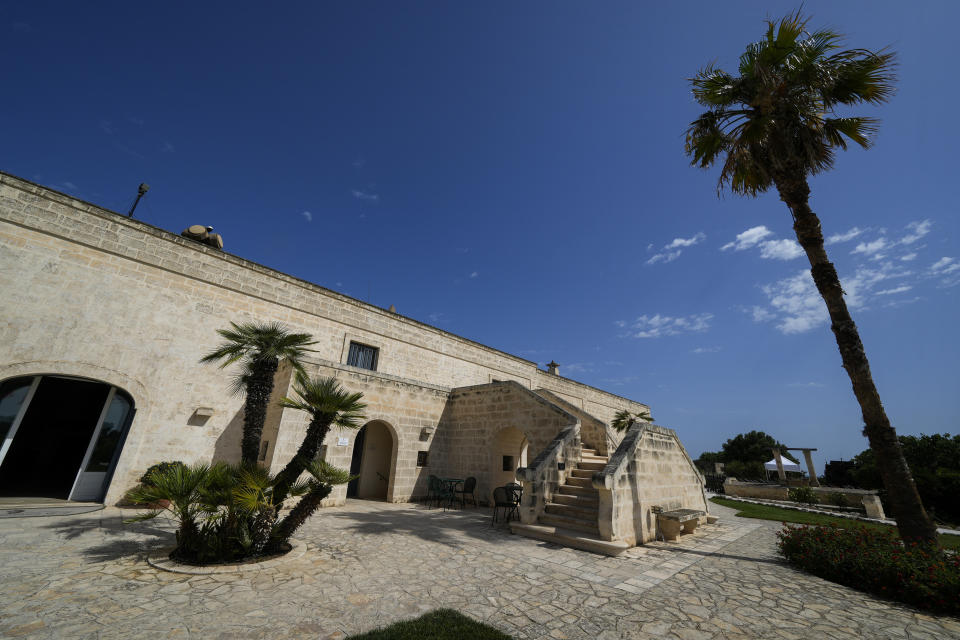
pixel 514 173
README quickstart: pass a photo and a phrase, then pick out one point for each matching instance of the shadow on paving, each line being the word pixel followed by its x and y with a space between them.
pixel 131 539
pixel 433 525
pixel 720 554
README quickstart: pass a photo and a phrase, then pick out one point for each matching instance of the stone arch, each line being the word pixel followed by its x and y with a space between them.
pixel 509 447
pixel 380 444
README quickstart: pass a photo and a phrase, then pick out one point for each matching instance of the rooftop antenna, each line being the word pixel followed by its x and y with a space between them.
pixel 142 189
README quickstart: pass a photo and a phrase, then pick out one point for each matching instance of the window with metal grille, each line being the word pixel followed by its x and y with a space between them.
pixel 363 356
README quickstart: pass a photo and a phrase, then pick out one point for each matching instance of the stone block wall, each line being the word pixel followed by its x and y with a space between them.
pixel 649 468
pixel 90 293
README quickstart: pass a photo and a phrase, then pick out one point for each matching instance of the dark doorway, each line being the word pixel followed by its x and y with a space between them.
pixel 356 462
pixel 52 440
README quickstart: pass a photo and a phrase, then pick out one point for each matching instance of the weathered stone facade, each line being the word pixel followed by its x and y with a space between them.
pixel 93 294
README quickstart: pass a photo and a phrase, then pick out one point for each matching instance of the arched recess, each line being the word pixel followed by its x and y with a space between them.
pixel 509 450
pixel 374 460
pixel 61 435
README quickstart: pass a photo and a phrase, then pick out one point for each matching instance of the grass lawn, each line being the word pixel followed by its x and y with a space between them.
pixel 442 624
pixel 767 512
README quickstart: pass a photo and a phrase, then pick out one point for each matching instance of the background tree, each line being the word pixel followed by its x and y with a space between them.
pixel 775 124
pixel 744 455
pixel 259 347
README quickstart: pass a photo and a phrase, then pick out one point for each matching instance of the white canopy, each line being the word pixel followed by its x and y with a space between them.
pixel 787 465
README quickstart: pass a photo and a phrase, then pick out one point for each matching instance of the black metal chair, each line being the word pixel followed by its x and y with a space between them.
pixel 469 489
pixel 502 499
pixel 434 489
pixel 516 492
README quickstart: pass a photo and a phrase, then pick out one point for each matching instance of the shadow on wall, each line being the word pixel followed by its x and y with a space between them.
pixel 227 446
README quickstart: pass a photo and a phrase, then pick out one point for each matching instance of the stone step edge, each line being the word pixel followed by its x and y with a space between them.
pixel 590 513
pixel 569 538
pixel 587 526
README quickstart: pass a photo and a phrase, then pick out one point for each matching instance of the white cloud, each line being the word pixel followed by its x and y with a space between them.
pixel 705 350
pixel 760 314
pixel 307 216
pixel 687 242
pixel 578 367
pixel 846 236
pixel 365 196
pixel 780 249
pixel 944 266
pixel 872 249
pixel 908 257
pixel 659 325
pixel 749 238
pixel 889 292
pixel 805 385
pixel 917 230
pixel 167 147
pixel 665 257
pixel 649 247
pixel 474 274
pixel 107 127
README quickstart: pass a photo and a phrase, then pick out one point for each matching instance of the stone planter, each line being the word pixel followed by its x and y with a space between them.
pixel 161 560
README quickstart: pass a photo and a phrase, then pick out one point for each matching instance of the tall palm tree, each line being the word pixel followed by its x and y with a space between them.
pixel 260 347
pixel 329 405
pixel 624 419
pixel 775 124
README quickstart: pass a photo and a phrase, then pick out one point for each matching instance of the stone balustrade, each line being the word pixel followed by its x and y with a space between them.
pixel 548 471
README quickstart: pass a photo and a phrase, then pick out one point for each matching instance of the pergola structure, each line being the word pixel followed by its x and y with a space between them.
pixel 806 454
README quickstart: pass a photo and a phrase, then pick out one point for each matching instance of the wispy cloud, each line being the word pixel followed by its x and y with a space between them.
pixel 916 231
pixel 875 249
pixel 365 196
pixel 578 367
pixel 945 265
pixel 699 350
pixel 167 147
pixel 806 385
pixel 474 274
pixel 307 216
pixel 771 249
pixel 135 120
pixel 658 326
pixel 845 236
pixel 908 257
pixel 749 238
pixel 107 127
pixel 889 292
pixel 673 249
pixel 879 248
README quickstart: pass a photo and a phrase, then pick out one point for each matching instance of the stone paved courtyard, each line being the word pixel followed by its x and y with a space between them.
pixel 368 564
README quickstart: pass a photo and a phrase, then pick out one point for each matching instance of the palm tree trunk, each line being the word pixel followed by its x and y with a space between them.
pixel 912 520
pixel 259 388
pixel 299 514
pixel 316 432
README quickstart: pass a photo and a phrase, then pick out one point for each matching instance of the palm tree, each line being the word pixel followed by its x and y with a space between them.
pixel 329 405
pixel 624 419
pixel 775 124
pixel 260 347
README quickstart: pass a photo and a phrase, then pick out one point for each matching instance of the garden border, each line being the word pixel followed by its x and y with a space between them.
pixel 161 560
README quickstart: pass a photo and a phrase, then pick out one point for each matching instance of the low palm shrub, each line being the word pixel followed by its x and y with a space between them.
pixel 878 562
pixel 160 466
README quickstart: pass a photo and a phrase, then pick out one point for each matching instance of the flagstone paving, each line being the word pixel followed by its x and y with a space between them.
pixel 369 564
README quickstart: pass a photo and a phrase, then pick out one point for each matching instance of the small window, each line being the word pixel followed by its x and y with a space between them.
pixel 422 458
pixel 363 356
pixel 508 463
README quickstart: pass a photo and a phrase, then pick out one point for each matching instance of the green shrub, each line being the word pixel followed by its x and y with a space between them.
pixel 838 498
pixel 878 562
pixel 804 495
pixel 160 466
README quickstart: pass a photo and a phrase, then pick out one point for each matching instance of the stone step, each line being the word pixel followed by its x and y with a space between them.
pixel 588 452
pixel 568 538
pixel 592 466
pixel 603 459
pixel 579 482
pixel 586 502
pixel 581 473
pixel 573 490
pixel 584 512
pixel 567 522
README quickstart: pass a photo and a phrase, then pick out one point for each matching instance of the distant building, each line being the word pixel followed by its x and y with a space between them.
pixel 105 318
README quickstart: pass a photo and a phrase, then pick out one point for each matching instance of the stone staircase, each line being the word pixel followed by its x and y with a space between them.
pixel 570 518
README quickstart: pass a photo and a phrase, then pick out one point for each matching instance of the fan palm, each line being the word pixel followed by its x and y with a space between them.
pixel 624 419
pixel 329 405
pixel 774 125
pixel 259 347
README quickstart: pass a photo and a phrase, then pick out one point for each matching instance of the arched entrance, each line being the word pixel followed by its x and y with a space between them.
pixel 61 436
pixel 373 452
pixel 508 452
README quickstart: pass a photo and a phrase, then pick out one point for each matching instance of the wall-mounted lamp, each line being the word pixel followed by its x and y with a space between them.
pixel 426 432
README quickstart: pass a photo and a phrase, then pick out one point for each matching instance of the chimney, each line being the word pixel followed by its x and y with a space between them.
pixel 203 235
pixel 553 368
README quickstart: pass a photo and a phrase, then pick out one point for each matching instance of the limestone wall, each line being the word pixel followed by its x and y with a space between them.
pixel 649 468
pixel 90 293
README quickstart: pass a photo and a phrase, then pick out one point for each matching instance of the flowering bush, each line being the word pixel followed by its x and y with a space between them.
pixel 804 495
pixel 878 562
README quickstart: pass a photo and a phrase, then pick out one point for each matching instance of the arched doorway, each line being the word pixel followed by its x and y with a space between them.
pixel 508 452
pixel 373 451
pixel 62 436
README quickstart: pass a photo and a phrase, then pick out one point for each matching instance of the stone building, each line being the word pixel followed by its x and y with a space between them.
pixel 104 320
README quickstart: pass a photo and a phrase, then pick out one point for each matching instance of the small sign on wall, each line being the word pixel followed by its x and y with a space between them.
pixel 343 442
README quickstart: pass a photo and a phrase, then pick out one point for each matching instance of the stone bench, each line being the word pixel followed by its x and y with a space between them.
pixel 671 523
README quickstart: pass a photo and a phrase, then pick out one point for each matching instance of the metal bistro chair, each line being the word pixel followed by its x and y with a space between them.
pixel 515 491
pixel 434 489
pixel 469 488
pixel 502 499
